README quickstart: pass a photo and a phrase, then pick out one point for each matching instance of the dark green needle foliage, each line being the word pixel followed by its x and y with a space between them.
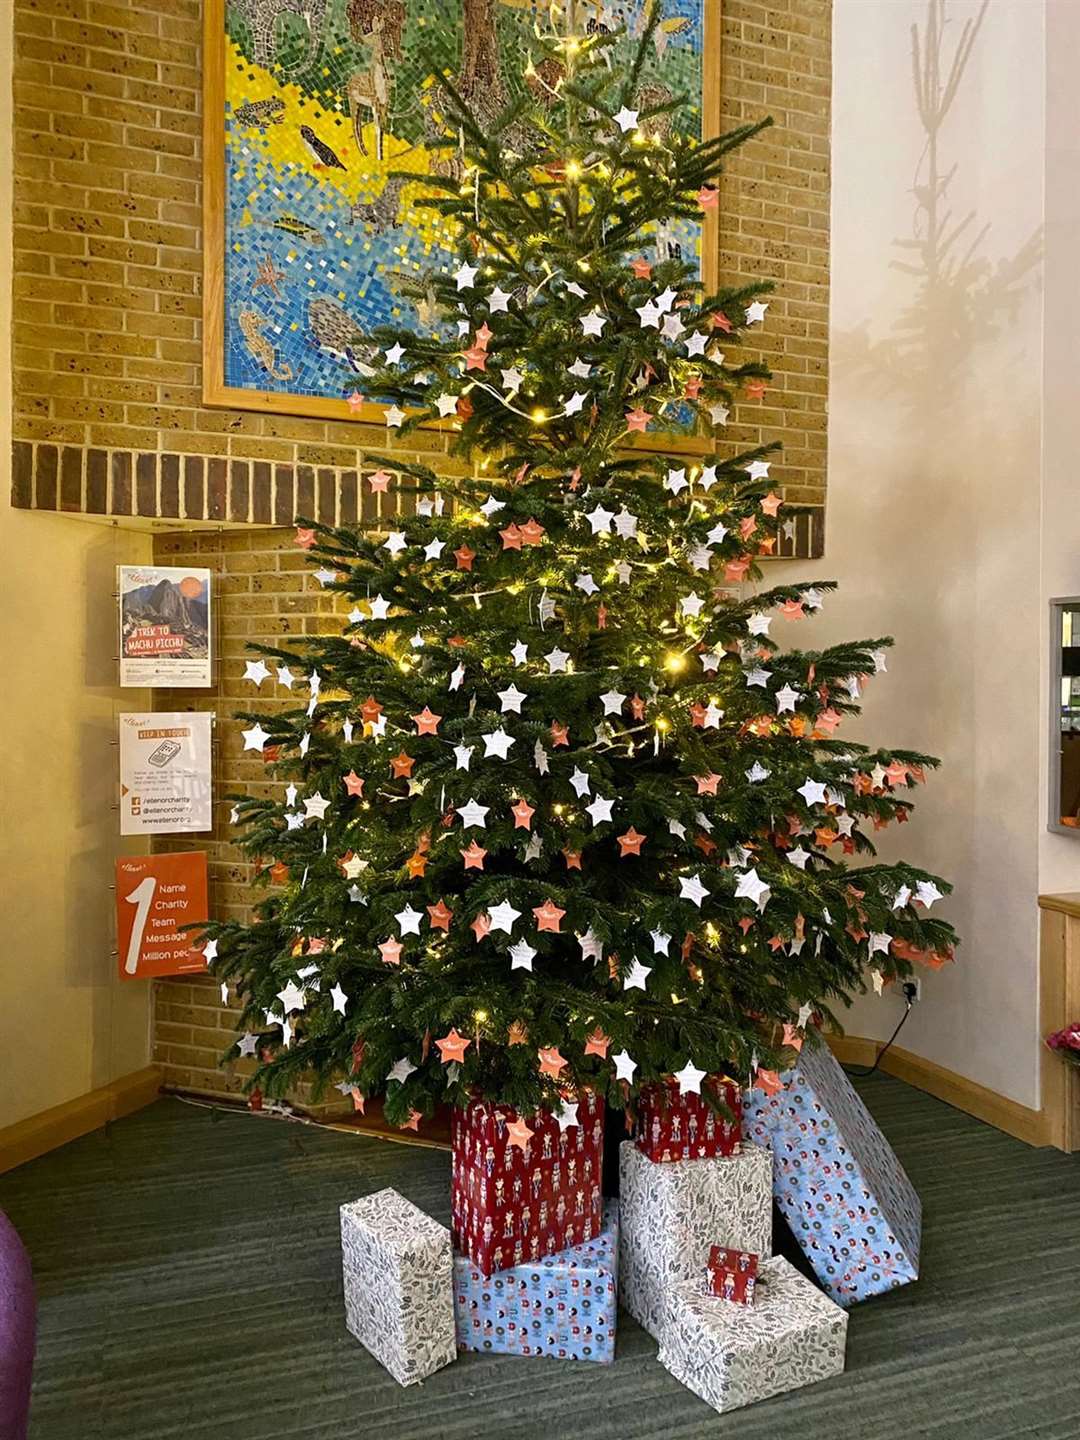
pixel 619 744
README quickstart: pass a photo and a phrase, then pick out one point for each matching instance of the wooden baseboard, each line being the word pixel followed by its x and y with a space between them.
pixel 52 1128
pixel 957 1090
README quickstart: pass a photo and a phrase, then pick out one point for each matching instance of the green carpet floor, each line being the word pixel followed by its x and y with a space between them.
pixel 187 1264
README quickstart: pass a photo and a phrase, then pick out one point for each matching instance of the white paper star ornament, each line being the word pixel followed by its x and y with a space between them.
pixel 690 1078
pixel 691 888
pixel 256 737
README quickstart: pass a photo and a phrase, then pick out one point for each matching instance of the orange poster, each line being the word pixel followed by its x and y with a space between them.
pixel 156 895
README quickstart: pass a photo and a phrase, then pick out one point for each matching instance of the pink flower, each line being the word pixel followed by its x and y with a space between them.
pixel 1067 1039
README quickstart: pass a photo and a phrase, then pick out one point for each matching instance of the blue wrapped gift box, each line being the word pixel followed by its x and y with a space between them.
pixel 563 1307
pixel 846 1197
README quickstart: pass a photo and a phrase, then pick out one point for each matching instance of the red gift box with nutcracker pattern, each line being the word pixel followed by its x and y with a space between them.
pixel 733 1274
pixel 517 1196
pixel 673 1126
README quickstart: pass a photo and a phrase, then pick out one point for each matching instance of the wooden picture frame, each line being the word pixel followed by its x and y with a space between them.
pixel 216 387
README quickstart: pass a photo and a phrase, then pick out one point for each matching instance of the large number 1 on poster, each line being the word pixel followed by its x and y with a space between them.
pixel 140 897
pixel 161 900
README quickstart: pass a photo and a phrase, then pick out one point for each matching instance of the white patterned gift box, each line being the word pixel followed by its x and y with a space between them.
pixel 837 1183
pixel 672 1213
pixel 399 1289
pixel 731 1355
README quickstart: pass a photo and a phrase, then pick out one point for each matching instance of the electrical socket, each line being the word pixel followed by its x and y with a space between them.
pixel 912 990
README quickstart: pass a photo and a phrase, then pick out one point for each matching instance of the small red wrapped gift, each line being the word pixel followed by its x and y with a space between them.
pixel 733 1274
pixel 523 1188
pixel 673 1126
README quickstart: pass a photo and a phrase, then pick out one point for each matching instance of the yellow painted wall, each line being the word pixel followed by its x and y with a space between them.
pixel 67 1025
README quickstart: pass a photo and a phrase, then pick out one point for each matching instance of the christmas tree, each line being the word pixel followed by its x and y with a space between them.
pixel 559 811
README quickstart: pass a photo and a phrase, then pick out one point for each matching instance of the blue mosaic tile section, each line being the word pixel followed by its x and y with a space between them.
pixel 321 104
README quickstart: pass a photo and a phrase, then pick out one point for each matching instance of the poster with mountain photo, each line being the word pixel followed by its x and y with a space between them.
pixel 164 626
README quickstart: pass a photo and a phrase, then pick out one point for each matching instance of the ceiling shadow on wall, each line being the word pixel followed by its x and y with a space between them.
pixel 939 418
pixel 958 296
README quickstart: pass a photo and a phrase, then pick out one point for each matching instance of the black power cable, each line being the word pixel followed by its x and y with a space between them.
pixel 910 993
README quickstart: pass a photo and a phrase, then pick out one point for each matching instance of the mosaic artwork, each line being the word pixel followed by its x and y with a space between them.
pixel 320 100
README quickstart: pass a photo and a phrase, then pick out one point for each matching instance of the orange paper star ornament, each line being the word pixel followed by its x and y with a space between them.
pixel 551 1062
pixel 548 916
pixel 630 843
pixel 473 856
pixel 440 916
pixel 519 1134
pixel 522 813
pixel 597 1043
pixel 426 722
pixel 453 1047
pixel 390 950
pixel 768 1081
pixel 792 1038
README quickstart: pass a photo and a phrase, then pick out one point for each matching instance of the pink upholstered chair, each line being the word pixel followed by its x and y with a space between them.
pixel 17 1328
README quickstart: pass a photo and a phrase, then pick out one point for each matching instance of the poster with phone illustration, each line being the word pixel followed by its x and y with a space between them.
pixel 165 773
pixel 164 626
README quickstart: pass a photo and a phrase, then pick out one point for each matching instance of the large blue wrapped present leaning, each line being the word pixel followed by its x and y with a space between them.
pixel 839 1186
pixel 564 1306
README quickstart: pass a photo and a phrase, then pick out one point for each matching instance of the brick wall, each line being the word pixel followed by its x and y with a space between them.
pixel 774 202
pixel 107 332
pixel 264 591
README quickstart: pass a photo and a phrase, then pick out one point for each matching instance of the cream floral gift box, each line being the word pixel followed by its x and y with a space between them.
pixel 399 1292
pixel 731 1355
